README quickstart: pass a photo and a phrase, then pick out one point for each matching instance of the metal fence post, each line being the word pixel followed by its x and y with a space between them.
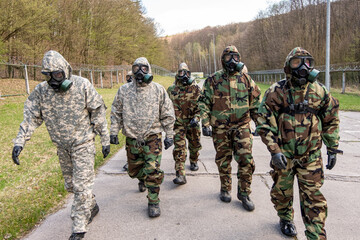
pixel 111 82
pixel 101 81
pixel 343 82
pixel 91 78
pixel 117 76
pixel 27 80
pixel 80 72
pixel 123 76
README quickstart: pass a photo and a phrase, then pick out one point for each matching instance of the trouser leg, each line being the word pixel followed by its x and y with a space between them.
pixel 223 157
pixel 282 191
pixel 83 181
pixel 242 147
pixel 312 201
pixel 179 152
pixel 193 136
pixel 66 168
pixel 144 164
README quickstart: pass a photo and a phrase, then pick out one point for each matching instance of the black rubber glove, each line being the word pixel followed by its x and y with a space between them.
pixel 279 160
pixel 114 139
pixel 331 160
pixel 105 150
pixel 168 142
pixel 206 131
pixel 15 154
pixel 194 123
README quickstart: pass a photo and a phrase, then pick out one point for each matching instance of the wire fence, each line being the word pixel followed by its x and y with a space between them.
pixel 342 76
pixel 19 79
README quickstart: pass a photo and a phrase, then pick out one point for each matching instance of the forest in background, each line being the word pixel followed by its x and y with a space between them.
pixel 115 32
pixel 92 32
pixel 265 42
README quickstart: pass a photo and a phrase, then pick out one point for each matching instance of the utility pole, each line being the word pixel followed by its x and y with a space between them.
pixel 327 67
pixel 214 52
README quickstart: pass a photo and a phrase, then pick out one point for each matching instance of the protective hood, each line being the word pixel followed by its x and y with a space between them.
pixel 296 52
pixel 54 61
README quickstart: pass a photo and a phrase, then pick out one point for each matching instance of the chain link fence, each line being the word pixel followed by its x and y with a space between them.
pixel 19 78
pixel 341 76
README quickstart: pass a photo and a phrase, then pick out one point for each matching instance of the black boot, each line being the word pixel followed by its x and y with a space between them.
pixel 225 196
pixel 142 187
pixel 288 228
pixel 180 179
pixel 76 236
pixel 194 166
pixel 94 211
pixel 246 202
pixel 154 210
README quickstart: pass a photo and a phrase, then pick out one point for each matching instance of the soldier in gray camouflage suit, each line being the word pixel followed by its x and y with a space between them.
pixel 143 109
pixel 73 113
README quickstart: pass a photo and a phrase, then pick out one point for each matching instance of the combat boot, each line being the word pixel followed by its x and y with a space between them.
pixel 142 187
pixel 194 166
pixel 77 236
pixel 225 196
pixel 94 211
pixel 154 210
pixel 288 228
pixel 180 179
pixel 246 202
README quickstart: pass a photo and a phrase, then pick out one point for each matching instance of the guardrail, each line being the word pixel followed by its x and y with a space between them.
pixel 338 75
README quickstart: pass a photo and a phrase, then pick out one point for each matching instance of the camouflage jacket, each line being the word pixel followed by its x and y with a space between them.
pixel 72 118
pixel 141 111
pixel 229 101
pixel 298 135
pixel 185 102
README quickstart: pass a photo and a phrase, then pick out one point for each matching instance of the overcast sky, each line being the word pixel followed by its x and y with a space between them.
pixel 177 16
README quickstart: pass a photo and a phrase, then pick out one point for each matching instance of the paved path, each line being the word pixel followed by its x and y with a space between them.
pixel 194 211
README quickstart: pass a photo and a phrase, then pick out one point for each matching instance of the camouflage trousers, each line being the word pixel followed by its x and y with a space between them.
pixel 144 160
pixel 237 142
pixel 77 166
pixel 312 203
pixel 183 132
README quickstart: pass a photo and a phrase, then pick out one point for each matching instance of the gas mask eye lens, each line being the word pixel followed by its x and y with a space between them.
pixel 295 63
pixel 236 57
pixel 58 75
pixel 135 68
pixel 144 68
pixel 227 57
pixel 181 73
pixel 309 62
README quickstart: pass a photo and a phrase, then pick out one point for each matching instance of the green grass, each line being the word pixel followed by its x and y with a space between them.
pixel 34 189
pixel 348 101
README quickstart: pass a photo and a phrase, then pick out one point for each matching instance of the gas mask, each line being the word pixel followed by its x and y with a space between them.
pixel 232 62
pixel 141 73
pixel 129 78
pixel 57 80
pixel 184 77
pixel 302 70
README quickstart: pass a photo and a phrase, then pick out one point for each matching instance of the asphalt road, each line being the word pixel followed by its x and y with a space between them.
pixel 194 210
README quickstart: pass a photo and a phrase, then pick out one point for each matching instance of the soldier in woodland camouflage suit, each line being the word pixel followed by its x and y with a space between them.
pixel 184 93
pixel 73 113
pixel 142 109
pixel 297 114
pixel 229 99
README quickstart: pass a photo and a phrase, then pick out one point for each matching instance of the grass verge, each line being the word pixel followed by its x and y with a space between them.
pixel 34 189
